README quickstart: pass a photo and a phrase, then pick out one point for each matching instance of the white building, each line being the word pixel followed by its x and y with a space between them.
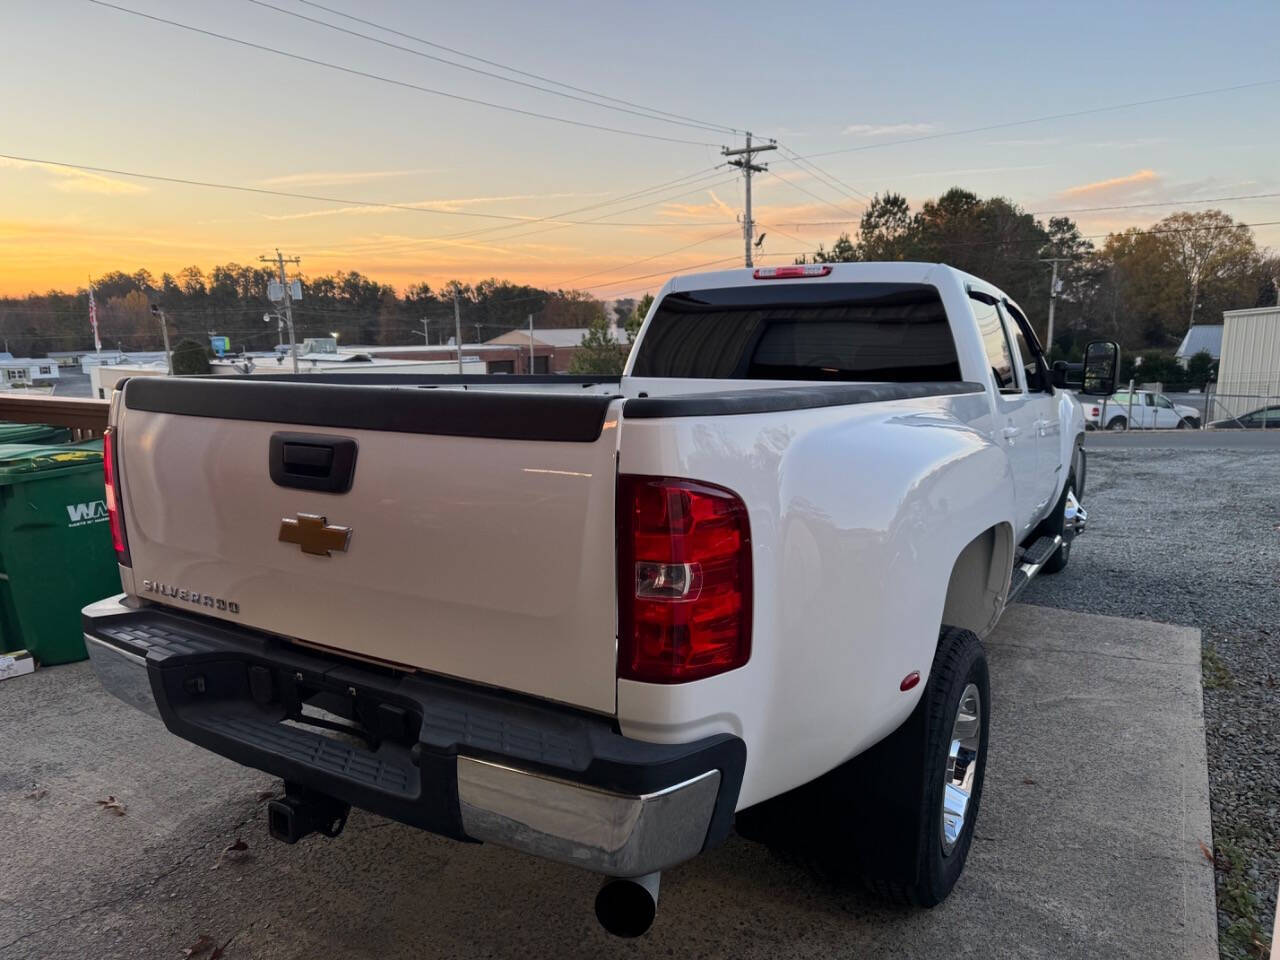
pixel 341 363
pixel 26 371
pixel 91 359
pixel 103 377
pixel 1249 371
pixel 1201 338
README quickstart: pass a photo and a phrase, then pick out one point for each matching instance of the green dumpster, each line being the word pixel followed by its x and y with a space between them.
pixel 32 433
pixel 55 547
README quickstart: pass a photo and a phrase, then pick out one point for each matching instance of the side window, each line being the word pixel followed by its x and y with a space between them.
pixel 996 344
pixel 1164 402
pixel 1031 367
pixel 1148 400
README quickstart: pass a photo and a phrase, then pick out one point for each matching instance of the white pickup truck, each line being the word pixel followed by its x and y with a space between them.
pixel 1140 410
pixel 594 619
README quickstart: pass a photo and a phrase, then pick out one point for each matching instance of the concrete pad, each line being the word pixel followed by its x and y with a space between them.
pixel 1088 840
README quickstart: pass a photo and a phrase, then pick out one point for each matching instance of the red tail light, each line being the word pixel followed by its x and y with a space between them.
pixel 1094 412
pixel 797 272
pixel 113 498
pixel 684 580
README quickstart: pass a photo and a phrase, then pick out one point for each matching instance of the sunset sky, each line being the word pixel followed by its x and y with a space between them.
pixel 86 84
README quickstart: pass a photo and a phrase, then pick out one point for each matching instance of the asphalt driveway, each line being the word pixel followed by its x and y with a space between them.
pixel 121 841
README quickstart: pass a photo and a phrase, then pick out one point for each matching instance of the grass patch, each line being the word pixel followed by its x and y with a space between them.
pixel 1245 938
pixel 1214 672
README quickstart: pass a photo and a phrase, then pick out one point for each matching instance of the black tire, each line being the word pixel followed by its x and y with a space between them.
pixel 1118 423
pixel 877 819
pixel 1184 424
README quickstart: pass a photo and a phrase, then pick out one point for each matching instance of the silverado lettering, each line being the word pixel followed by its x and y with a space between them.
pixel 190 596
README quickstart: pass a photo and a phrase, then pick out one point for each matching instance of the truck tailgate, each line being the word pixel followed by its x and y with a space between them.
pixel 471 553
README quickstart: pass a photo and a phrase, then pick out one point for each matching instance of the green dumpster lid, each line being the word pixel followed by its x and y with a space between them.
pixel 18 460
pixel 27 432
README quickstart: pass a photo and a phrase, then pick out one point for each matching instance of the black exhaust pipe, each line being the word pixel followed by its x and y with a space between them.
pixel 301 812
pixel 626 906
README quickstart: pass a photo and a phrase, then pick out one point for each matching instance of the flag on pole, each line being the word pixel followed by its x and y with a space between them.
pixel 93 320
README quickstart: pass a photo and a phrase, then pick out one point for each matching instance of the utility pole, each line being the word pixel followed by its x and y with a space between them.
pixel 1053 300
pixel 426 333
pixel 157 311
pixel 531 343
pixel 280 260
pixel 457 328
pixel 744 163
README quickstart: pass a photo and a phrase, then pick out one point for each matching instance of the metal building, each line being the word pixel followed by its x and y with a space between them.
pixel 1249 371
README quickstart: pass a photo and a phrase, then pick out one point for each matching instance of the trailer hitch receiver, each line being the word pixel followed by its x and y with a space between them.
pixel 301 812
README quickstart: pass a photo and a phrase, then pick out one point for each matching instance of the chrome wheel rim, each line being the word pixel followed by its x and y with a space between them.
pixel 962 767
pixel 1074 516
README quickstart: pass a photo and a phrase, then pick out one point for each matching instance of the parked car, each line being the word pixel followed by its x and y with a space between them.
pixel 1149 410
pixel 1264 418
pixel 591 618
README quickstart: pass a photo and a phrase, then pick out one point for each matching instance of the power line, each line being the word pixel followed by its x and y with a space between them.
pixel 510 69
pixel 697 266
pixel 1045 119
pixel 667 273
pixel 691 178
pixel 830 179
pixel 656 256
pixel 1119 206
pixel 776 229
pixel 822 200
pixel 1159 203
pixel 1132 232
pixel 184 181
pixel 562 225
pixel 398 83
pixel 695 124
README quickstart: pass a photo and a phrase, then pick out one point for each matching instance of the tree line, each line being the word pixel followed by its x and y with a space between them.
pixel 1143 287
pixel 231 300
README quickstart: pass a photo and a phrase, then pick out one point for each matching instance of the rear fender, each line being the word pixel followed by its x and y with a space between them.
pixel 858 516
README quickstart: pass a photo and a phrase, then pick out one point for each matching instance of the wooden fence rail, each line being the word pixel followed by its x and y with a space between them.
pixel 86 416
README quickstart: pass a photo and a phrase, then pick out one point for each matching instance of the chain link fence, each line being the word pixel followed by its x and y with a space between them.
pixel 1245 403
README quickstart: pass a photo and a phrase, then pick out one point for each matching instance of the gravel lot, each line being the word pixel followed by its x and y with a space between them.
pixel 1188 531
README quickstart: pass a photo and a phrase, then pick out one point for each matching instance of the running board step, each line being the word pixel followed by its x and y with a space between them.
pixel 1039 552
pixel 1031 560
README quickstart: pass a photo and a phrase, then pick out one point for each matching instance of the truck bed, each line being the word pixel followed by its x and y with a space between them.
pixel 481 511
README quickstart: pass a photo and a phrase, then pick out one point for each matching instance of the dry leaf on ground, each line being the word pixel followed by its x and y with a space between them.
pixel 114 805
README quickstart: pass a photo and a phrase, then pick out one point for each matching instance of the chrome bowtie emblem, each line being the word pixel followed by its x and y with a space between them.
pixel 314 534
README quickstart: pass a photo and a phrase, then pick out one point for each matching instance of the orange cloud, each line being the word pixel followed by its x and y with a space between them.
pixel 71 180
pixel 1113 185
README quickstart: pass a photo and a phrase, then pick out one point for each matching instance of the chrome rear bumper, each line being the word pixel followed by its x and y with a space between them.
pixel 622 808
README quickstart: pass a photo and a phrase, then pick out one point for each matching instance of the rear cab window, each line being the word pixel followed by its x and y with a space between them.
pixel 870 332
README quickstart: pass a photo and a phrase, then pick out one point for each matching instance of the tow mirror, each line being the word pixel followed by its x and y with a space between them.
pixel 1101 368
pixel 1060 370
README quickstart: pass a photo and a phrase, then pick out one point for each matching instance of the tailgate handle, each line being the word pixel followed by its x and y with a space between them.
pixel 312 461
